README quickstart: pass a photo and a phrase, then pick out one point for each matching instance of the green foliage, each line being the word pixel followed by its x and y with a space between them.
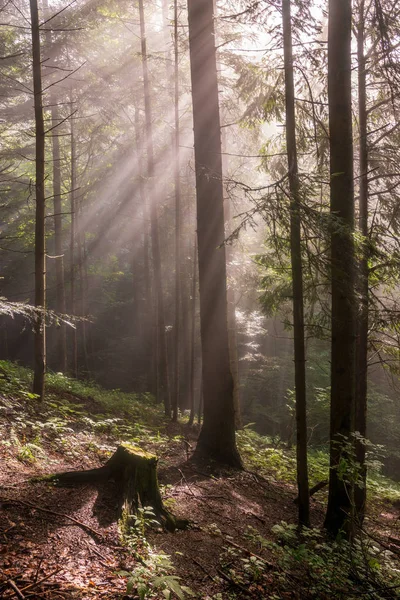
pixel 31 313
pixel 155 573
pixel 154 576
pixel 75 416
pixel 332 569
pixel 270 458
pixel 30 452
pixel 144 518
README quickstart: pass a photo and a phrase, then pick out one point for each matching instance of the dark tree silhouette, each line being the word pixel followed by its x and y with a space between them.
pixel 342 260
pixel 297 271
pixel 217 437
pixel 40 252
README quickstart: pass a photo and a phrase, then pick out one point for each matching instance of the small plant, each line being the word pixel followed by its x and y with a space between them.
pixel 155 575
pixel 29 453
pixel 332 569
pixel 144 518
pixel 253 567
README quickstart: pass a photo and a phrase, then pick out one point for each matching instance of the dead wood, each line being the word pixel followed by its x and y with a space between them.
pixel 234 583
pixel 40 581
pixel 135 473
pixel 16 589
pixel 51 512
pixel 314 489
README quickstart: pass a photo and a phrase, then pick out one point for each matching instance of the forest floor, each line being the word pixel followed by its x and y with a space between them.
pixel 60 543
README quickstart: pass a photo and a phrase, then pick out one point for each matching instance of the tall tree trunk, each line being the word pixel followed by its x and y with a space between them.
pixel 340 499
pixel 177 219
pixel 297 272
pixel 232 331
pixel 149 344
pixel 61 360
pixel 72 247
pixel 217 437
pixel 362 342
pixel 200 411
pixel 82 294
pixel 163 378
pixel 40 250
pixel 58 246
pixel 193 335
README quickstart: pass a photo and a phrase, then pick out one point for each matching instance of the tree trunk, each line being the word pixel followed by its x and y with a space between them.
pixel 60 284
pixel 193 335
pixel 72 247
pixel 201 403
pixel 177 220
pixel 231 308
pixel 342 262
pixel 217 437
pixel 149 317
pixel 61 360
pixel 297 272
pixel 163 378
pixel 362 342
pixel 82 295
pixel 135 472
pixel 40 251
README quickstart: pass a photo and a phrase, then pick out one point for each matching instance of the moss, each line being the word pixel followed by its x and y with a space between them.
pixel 137 451
pixel 135 471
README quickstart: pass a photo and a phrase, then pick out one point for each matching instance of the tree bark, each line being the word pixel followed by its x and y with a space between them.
pixel 148 318
pixel 231 308
pixel 163 387
pixel 57 207
pixel 82 294
pixel 297 272
pixel 40 232
pixel 217 437
pixel 362 342
pixel 177 180
pixel 74 336
pixel 135 472
pixel 340 499
pixel 58 246
pixel 193 335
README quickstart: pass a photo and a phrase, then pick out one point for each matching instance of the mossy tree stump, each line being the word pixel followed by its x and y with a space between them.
pixel 135 472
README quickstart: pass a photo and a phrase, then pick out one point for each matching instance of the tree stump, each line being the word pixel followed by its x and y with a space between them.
pixel 135 472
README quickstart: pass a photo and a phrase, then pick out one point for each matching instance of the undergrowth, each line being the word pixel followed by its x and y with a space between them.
pixel 155 572
pixel 81 420
pixel 76 418
pixel 275 461
pixel 319 568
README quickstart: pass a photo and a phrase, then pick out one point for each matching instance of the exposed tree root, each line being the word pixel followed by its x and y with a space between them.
pixel 135 472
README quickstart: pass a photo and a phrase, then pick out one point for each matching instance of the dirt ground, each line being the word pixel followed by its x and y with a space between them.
pixel 61 543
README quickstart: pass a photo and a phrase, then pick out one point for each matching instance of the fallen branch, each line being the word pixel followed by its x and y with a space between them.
pixel 37 583
pixel 101 562
pixel 246 551
pixel 314 490
pixel 16 589
pixel 234 583
pixel 52 512
pixel 391 548
pixel 196 562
